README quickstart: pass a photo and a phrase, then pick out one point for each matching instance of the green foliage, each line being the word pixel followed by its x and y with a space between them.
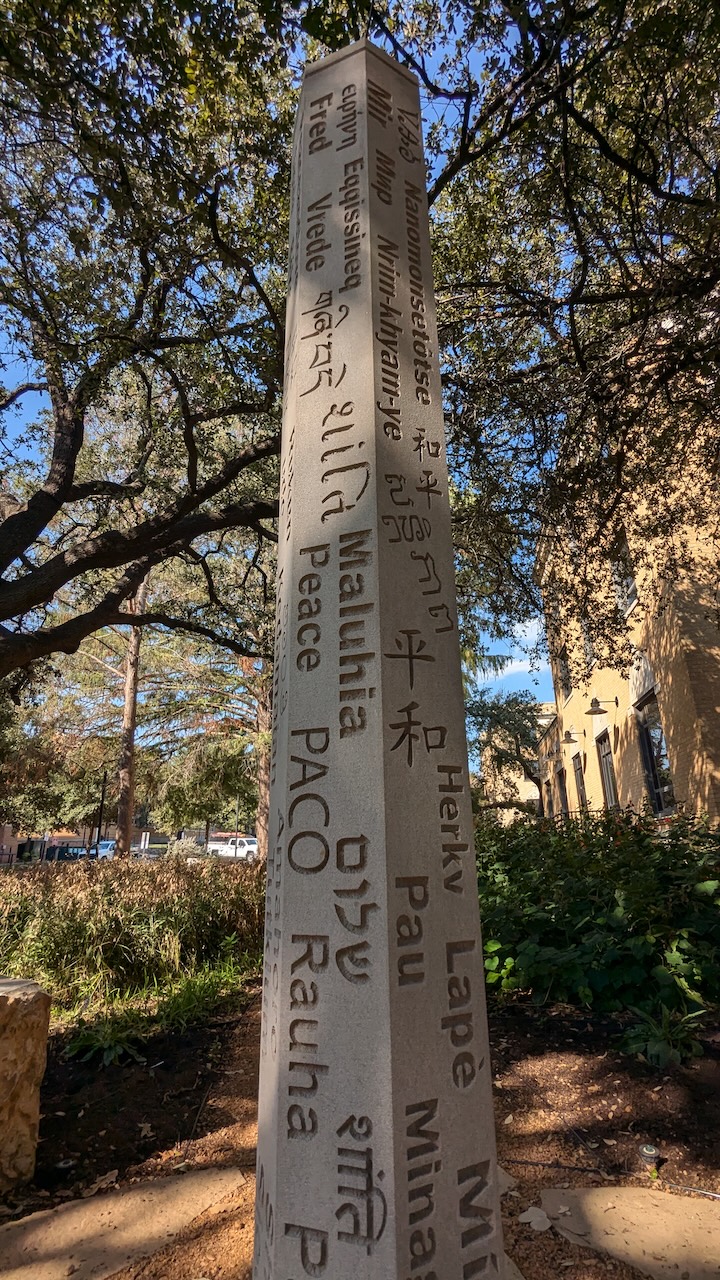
pixel 665 1040
pixel 603 911
pixel 101 930
pixel 503 732
pixel 123 1026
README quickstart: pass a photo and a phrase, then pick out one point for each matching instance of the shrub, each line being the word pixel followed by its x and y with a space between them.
pixel 123 925
pixel 605 910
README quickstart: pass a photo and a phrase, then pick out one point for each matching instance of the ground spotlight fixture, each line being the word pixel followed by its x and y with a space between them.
pixel 596 706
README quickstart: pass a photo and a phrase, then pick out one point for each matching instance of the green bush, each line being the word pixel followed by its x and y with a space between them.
pixel 604 911
pixel 114 927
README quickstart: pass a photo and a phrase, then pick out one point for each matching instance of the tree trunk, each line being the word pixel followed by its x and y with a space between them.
pixel 264 724
pixel 126 766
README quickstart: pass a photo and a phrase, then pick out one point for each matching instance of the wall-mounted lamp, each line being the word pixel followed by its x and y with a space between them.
pixel 569 738
pixel 596 706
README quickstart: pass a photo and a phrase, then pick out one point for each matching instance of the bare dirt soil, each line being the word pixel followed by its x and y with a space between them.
pixel 570 1112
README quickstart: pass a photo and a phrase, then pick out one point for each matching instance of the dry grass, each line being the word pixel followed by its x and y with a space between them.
pixel 122 926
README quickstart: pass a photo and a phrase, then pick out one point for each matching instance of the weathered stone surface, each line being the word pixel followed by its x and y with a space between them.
pixel 376 1155
pixel 24 1018
pixel 665 1236
pixel 92 1239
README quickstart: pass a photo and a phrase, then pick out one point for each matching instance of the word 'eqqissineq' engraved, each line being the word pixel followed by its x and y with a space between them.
pixel 375 1158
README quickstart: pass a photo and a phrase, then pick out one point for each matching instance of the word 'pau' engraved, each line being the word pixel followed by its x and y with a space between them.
pixel 376 1149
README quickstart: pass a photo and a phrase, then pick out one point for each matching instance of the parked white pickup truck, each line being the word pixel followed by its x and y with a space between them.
pixel 241 847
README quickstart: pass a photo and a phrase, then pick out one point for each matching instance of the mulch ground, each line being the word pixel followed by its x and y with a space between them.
pixel 570 1112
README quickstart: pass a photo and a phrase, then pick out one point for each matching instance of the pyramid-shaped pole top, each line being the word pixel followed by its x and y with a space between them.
pixel 358 46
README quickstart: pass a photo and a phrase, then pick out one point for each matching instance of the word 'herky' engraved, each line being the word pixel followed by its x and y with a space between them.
pixel 452 846
pixel 423 1161
pixel 364 1210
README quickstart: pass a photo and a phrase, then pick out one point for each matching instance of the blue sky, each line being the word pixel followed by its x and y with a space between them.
pixel 523 671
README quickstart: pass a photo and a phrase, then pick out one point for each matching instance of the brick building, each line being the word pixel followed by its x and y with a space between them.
pixel 651 736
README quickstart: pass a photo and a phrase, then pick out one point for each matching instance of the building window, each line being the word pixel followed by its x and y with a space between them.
pixel 563 668
pixel 561 777
pixel 654 754
pixel 607 770
pixel 580 781
pixel 549 807
pixel 623 576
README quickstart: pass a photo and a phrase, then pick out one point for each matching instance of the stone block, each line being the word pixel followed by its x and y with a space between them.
pixel 376 1150
pixel 24 1018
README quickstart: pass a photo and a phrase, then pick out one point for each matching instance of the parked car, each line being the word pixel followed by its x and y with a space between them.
pixel 64 853
pixel 243 848
pixel 100 849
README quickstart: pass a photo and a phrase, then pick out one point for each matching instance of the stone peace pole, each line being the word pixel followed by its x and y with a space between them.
pixel 376 1151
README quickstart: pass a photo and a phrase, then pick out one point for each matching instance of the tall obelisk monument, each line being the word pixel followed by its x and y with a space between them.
pixel 376 1154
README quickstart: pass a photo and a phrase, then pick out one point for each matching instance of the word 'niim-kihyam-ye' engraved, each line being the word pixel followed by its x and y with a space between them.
pixel 376 1155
